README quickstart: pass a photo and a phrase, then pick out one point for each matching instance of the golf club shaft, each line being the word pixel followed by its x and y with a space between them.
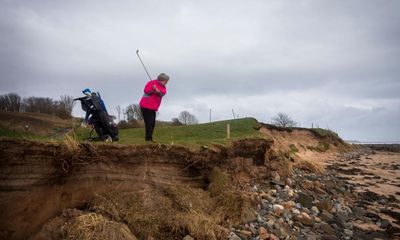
pixel 137 53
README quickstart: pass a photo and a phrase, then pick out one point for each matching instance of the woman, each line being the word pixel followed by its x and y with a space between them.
pixel 154 91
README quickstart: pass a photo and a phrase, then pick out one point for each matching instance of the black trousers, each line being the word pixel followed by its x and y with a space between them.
pixel 149 117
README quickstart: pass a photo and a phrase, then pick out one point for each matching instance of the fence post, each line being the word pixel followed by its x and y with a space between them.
pixel 228 131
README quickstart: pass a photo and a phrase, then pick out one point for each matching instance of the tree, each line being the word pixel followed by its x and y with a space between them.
pixel 283 120
pixel 187 118
pixel 133 112
pixel 39 104
pixel 10 102
pixel 64 106
pixel 176 122
pixel 118 108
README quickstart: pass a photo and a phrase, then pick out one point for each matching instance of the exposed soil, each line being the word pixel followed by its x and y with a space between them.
pixel 40 180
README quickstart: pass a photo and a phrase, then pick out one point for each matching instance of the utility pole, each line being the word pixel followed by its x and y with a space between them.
pixel 233 112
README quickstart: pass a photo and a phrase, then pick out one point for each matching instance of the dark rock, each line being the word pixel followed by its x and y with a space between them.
pixel 326 216
pixel 373 216
pixel 392 229
pixel 325 204
pixel 327 228
pixel 359 212
pixel 305 200
pixel 329 237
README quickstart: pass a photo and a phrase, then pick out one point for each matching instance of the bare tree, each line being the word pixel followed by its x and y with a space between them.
pixel 10 102
pixel 283 120
pixel 39 104
pixel 118 108
pixel 64 106
pixel 133 112
pixel 187 118
pixel 176 122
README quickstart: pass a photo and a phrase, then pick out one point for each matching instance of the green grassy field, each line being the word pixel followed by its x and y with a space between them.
pixel 5 132
pixel 206 133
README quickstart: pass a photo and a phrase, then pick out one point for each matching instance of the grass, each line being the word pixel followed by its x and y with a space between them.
pixel 321 147
pixel 94 226
pixel 206 133
pixel 171 212
pixel 309 166
pixel 324 132
pixel 200 134
pixel 5 132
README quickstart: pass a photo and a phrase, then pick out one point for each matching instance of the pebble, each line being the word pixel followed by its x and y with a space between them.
pixel 273 237
pixel 305 219
pixel 233 236
pixel 270 223
pixel 246 233
pixel 295 211
pixel 348 232
pixel 290 211
pixel 315 210
pixel 327 228
pixel 278 209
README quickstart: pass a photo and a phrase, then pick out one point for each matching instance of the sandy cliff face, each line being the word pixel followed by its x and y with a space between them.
pixel 39 180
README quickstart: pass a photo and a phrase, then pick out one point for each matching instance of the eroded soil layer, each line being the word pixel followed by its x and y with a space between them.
pixel 39 180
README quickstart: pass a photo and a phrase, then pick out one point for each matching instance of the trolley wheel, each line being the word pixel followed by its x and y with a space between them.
pixel 107 138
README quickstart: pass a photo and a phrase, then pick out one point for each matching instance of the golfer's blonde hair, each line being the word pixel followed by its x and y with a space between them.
pixel 163 76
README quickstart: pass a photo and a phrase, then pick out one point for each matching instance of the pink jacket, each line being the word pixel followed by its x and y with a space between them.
pixel 151 99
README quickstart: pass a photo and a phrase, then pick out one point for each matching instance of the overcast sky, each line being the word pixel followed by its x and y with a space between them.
pixel 331 63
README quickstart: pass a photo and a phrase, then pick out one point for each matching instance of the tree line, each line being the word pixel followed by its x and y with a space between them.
pixel 62 107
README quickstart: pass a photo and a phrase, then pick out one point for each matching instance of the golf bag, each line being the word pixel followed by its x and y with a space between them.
pixel 102 123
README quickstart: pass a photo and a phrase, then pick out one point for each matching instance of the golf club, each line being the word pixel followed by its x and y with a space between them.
pixel 137 53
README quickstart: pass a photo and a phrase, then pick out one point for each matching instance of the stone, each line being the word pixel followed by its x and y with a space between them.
pixel 271 199
pixel 329 237
pixel 327 229
pixel 278 209
pixel 343 216
pixel 325 204
pixel 326 216
pixel 320 191
pixel 246 233
pixel 253 230
pixel 348 232
pixel 304 218
pixel 315 210
pixel 187 237
pixel 289 182
pixel 290 193
pixel 233 236
pixel 295 211
pixel 384 223
pixel 305 200
pixel 262 230
pixel 317 220
pixel 263 195
pixel 307 184
pixel 289 205
pixel 359 212
pixel 260 219
pixel 264 236
pixel 281 233
pixel 273 237
pixel 317 184
pixel 270 224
